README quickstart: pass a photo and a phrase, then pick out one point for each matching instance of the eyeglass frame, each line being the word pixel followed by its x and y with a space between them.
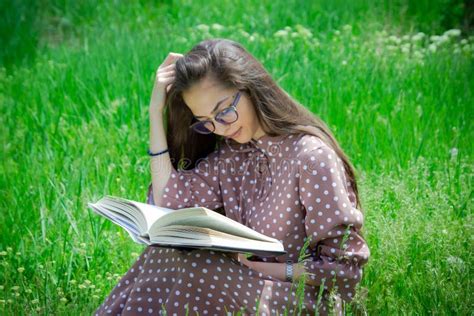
pixel 233 106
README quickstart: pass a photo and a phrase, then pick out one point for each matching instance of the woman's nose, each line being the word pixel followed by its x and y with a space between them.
pixel 222 129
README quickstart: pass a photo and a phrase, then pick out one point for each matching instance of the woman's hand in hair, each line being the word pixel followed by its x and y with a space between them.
pixel 165 76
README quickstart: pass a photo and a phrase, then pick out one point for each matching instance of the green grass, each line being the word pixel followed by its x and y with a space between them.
pixel 74 91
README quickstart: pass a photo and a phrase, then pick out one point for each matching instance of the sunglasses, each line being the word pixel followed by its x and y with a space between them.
pixel 227 116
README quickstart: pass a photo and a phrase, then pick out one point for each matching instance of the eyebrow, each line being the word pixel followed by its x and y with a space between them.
pixel 215 108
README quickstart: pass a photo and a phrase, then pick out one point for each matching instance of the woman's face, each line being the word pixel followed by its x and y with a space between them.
pixel 202 98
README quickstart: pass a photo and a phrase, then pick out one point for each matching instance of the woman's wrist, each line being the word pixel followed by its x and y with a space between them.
pixel 155 112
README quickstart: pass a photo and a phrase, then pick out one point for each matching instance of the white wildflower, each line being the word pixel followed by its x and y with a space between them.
pixel 347 28
pixel 452 32
pixel 344 62
pixel 217 27
pixel 245 34
pixel 392 48
pixel 304 32
pixel 418 37
pixel 443 39
pixel 454 152
pixel 395 39
pixel 281 33
pixel 111 167
pixel 203 27
pixel 432 48
pixel 455 261
pixel 417 54
pixel 405 48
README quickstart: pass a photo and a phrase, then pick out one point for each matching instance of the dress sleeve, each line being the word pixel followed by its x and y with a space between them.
pixel 195 187
pixel 332 223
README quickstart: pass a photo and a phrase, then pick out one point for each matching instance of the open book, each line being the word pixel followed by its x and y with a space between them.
pixel 194 227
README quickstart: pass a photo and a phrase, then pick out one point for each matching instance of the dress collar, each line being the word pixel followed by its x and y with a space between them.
pixel 268 144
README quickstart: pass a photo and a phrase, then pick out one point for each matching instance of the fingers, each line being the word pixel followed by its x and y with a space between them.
pixel 165 81
pixel 166 73
pixel 171 58
pixel 169 76
pixel 166 68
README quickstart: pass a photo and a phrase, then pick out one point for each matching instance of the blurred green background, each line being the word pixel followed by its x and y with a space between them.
pixel 393 79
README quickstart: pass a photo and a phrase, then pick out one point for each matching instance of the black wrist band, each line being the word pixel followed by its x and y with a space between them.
pixel 158 153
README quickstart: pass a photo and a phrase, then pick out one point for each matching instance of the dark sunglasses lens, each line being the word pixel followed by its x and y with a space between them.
pixel 203 127
pixel 227 116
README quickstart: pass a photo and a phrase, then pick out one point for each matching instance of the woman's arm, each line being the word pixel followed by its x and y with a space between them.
pixel 160 165
pixel 275 269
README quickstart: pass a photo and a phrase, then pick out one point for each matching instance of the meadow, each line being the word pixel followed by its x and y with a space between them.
pixel 393 80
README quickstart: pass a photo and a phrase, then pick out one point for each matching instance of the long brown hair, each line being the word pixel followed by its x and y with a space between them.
pixel 232 66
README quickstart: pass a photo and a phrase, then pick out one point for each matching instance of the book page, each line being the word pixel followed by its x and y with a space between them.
pixel 117 219
pixel 203 217
pixel 123 209
pixel 204 237
pixel 149 213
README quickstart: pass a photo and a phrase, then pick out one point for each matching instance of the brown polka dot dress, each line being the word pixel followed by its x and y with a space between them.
pixel 291 187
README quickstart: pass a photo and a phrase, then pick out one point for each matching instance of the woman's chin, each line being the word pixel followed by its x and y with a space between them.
pixel 238 137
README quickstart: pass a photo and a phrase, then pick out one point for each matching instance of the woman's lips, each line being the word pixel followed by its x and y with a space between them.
pixel 233 135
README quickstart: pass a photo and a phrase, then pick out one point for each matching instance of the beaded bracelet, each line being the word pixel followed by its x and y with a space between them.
pixel 158 153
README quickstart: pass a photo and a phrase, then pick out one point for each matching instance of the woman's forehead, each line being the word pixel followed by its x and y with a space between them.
pixel 202 98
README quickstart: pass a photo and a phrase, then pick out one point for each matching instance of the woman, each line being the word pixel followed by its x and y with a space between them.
pixel 237 143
